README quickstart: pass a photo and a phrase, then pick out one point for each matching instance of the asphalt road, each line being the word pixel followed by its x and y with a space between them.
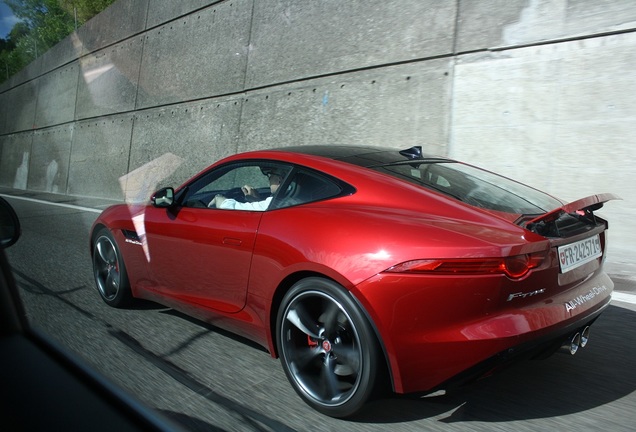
pixel 207 379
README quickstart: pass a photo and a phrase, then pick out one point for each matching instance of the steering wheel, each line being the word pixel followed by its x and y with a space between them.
pixel 235 193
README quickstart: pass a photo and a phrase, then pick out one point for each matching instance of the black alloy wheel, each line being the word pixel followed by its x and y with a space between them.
pixel 110 271
pixel 327 347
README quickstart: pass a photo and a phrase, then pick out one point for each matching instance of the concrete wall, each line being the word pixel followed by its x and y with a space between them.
pixel 540 90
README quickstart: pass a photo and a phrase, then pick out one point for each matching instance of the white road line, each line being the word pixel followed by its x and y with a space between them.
pixel 624 297
pixel 71 206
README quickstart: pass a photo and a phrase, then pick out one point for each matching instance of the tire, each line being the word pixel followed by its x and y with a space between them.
pixel 109 271
pixel 327 347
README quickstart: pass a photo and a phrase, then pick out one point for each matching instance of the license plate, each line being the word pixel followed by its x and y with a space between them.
pixel 574 255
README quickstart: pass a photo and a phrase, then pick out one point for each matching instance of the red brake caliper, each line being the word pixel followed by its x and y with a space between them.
pixel 312 343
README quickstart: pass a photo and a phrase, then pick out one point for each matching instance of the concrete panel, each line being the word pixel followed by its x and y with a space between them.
pixel 4 112
pixel 161 11
pixel 15 151
pixel 49 159
pixel 5 85
pixel 198 56
pixel 293 39
pixel 558 117
pixel 32 71
pixel 108 80
pixel 66 51
pixel 99 157
pixel 57 92
pixel 598 80
pixel 121 20
pixel 21 103
pixel 399 106
pixel 198 133
pixel 502 23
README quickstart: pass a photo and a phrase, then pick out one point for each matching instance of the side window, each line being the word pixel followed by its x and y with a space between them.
pixel 304 187
pixel 239 186
pixel 235 178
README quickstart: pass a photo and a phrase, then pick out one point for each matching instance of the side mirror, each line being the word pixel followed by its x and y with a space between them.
pixel 163 197
pixel 9 225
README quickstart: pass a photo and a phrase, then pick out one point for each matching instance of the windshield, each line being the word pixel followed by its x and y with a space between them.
pixel 474 186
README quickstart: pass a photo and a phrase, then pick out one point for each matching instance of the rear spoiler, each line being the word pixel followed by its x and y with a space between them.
pixel 591 203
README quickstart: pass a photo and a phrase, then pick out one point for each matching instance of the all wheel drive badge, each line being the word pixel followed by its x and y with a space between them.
pixel 584 298
pixel 326 345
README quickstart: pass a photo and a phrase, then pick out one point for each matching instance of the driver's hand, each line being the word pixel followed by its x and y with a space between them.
pixel 217 201
pixel 250 192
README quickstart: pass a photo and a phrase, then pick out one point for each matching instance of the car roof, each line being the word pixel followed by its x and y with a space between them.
pixel 366 156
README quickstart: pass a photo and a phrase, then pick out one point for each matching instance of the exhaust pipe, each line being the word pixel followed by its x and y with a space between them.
pixel 572 345
pixel 585 336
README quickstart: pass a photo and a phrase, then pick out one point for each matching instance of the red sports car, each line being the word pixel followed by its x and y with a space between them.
pixel 353 263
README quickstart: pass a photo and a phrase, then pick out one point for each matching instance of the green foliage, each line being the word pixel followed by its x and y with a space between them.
pixel 44 23
pixel 85 9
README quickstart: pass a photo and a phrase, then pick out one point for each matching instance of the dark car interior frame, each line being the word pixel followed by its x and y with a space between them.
pixel 44 387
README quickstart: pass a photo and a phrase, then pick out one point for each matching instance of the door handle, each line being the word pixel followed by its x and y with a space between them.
pixel 232 241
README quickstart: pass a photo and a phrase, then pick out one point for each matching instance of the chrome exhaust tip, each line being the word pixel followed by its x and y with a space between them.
pixel 573 344
pixel 585 336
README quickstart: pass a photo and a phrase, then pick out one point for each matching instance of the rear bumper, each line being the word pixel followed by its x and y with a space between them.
pixel 445 331
pixel 540 347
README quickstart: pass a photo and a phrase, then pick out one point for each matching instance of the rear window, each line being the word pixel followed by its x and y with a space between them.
pixel 473 186
pixel 305 187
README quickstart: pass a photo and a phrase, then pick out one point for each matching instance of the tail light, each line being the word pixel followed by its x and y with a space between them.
pixel 514 267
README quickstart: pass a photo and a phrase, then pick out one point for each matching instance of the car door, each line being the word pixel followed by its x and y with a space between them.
pixel 202 256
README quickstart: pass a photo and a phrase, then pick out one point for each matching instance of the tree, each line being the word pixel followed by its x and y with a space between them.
pixel 84 9
pixel 12 59
pixel 44 23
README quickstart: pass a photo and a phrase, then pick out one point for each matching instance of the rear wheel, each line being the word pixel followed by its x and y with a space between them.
pixel 109 270
pixel 327 347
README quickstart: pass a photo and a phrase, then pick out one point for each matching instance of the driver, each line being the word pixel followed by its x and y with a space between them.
pixel 258 202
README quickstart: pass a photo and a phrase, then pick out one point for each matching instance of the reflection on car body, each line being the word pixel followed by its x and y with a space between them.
pixel 366 261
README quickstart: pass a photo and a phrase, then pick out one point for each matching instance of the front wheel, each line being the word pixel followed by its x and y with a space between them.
pixel 327 347
pixel 109 270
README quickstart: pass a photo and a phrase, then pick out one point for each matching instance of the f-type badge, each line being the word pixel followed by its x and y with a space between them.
pixel 525 295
